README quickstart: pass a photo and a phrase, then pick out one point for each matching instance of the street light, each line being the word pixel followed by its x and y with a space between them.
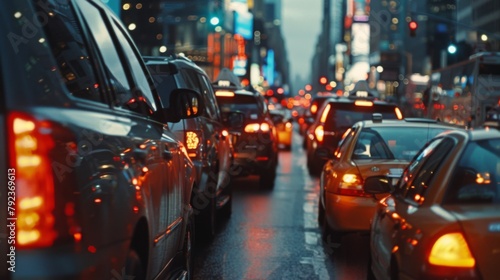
pixel 452 49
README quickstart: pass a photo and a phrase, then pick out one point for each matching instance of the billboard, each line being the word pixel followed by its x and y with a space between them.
pixel 243 24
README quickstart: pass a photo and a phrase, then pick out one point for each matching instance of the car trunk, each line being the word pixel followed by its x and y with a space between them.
pixel 481 225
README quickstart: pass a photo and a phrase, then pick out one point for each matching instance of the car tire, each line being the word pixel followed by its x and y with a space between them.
pixel 134 266
pixel 206 219
pixel 288 147
pixel 321 213
pixel 227 209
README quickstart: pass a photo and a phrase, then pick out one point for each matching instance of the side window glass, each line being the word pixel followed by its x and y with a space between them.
pixel 429 162
pixel 102 37
pixel 64 35
pixel 211 103
pixel 344 142
pixel 141 80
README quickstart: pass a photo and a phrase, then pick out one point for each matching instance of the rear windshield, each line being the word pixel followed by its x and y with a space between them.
pixel 401 142
pixel 164 82
pixel 242 103
pixel 476 178
pixel 343 116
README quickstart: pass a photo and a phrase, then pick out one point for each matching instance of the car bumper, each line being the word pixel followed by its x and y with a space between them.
pixel 349 213
pixel 285 137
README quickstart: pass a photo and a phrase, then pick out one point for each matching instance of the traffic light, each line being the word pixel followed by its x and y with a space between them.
pixel 413 25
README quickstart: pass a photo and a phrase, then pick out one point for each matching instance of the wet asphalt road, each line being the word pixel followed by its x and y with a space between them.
pixel 274 234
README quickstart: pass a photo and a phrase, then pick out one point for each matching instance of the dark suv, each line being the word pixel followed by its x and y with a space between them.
pixel 335 116
pixel 255 139
pixel 94 184
pixel 205 138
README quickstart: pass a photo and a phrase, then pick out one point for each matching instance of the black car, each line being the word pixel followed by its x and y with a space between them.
pixel 255 140
pixel 205 138
pixel 94 184
pixel 335 117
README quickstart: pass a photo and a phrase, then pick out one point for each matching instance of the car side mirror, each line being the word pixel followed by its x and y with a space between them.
pixel 233 119
pixel 377 185
pixel 184 104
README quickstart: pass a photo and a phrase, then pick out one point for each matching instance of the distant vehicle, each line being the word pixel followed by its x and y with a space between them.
pixel 97 186
pixel 255 139
pixel 284 127
pixel 464 92
pixel 442 219
pixel 335 117
pixel 205 138
pixel 368 148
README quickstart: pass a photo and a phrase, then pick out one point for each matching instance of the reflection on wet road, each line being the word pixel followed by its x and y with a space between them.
pixel 274 234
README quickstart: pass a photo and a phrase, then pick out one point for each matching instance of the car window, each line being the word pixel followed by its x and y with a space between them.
pixel 141 80
pixel 396 142
pixel 74 62
pixel 345 141
pixel 164 82
pixel 476 178
pixel 419 174
pixel 210 101
pixel 107 47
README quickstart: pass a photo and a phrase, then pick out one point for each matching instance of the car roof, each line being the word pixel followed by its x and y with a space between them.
pixel 477 134
pixel 413 122
pixel 349 100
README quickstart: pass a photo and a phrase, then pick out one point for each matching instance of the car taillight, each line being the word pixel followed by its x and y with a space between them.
pixel 451 250
pixel 192 142
pixel 288 125
pixel 257 127
pixel 30 145
pixel 351 185
pixel 319 133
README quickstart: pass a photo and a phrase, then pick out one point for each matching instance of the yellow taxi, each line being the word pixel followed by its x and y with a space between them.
pixel 442 219
pixel 284 127
pixel 368 148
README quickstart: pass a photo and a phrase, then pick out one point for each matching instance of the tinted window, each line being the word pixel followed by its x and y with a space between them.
pixel 419 174
pixel 74 62
pixel 342 116
pixel 109 53
pixel 476 178
pixel 401 142
pixel 164 82
pixel 244 103
pixel 210 101
pixel 135 65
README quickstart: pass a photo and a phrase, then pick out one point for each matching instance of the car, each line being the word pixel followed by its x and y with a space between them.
pixel 96 185
pixel 309 115
pixel 205 137
pixel 254 138
pixel 335 117
pixel 442 218
pixel 284 127
pixel 368 148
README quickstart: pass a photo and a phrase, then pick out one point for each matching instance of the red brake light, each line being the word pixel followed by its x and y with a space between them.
pixel 451 250
pixel 30 144
pixel 351 185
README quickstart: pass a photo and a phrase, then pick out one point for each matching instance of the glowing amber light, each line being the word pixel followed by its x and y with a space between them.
pixel 192 140
pixel 451 250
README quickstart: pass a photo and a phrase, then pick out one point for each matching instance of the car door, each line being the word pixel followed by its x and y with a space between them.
pixel 136 111
pixel 393 223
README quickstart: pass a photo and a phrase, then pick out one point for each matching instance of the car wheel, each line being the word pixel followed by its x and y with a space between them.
pixel 206 218
pixel 369 272
pixel 133 266
pixel 227 209
pixel 188 249
pixel 288 147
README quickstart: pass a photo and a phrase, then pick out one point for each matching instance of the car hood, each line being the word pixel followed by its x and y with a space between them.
pixel 481 225
pixel 374 167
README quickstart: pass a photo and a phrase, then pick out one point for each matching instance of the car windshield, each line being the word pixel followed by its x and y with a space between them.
pixel 398 142
pixel 243 103
pixel 476 178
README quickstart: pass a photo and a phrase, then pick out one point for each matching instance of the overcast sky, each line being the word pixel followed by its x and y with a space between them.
pixel 301 21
